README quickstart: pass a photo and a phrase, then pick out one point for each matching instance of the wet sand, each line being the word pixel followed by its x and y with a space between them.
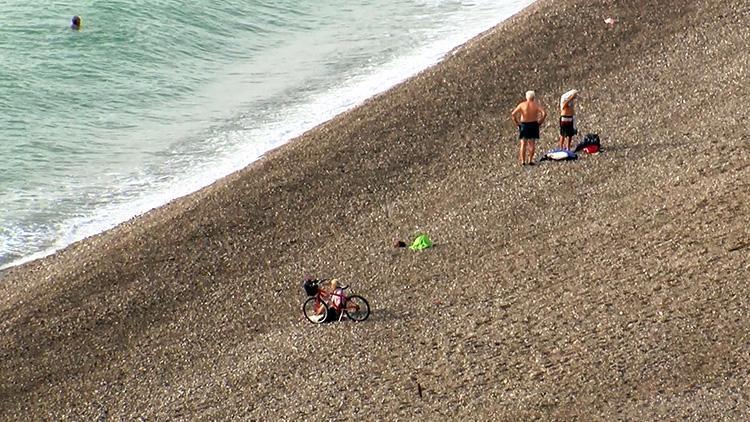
pixel 613 287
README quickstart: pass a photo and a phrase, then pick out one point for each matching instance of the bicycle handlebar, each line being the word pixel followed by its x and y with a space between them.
pixel 323 280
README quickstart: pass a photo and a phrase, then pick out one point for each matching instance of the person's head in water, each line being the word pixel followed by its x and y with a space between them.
pixel 530 95
pixel 76 23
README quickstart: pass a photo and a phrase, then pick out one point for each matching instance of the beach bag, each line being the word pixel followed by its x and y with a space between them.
pixel 591 149
pixel 590 144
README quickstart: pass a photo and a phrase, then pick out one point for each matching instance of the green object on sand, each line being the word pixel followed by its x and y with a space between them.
pixel 421 242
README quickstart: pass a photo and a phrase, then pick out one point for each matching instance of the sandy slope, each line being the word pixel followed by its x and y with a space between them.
pixel 614 287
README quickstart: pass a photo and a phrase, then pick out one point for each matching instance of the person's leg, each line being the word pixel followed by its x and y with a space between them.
pixel 567 130
pixel 522 152
pixel 563 133
pixel 531 148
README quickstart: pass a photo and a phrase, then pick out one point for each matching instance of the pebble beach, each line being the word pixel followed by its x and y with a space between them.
pixel 612 287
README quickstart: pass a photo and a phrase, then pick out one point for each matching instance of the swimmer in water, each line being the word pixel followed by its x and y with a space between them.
pixel 76 23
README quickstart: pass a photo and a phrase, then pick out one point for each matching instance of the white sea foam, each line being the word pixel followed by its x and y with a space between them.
pixel 243 139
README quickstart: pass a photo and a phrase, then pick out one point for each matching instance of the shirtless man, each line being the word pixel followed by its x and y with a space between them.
pixel 528 116
pixel 568 127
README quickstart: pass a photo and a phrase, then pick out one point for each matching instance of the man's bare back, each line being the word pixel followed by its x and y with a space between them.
pixel 530 111
pixel 528 116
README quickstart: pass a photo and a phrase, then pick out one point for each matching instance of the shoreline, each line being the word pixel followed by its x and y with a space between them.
pixel 606 288
pixel 428 56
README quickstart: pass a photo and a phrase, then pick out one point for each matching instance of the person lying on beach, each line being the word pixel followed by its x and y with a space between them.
pixel 568 125
pixel 528 116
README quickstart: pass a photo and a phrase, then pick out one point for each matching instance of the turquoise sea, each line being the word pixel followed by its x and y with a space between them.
pixel 153 100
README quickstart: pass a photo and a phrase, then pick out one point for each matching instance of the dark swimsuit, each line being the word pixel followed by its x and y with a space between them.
pixel 568 126
pixel 528 130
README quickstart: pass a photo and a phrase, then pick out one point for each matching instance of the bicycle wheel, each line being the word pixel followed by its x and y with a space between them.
pixel 357 308
pixel 315 310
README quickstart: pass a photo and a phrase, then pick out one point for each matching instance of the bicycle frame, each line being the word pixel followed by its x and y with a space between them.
pixel 322 301
pixel 327 297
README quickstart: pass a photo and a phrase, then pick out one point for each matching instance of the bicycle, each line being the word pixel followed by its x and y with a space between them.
pixel 320 303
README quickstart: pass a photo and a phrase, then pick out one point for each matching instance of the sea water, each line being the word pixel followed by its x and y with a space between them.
pixel 152 100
